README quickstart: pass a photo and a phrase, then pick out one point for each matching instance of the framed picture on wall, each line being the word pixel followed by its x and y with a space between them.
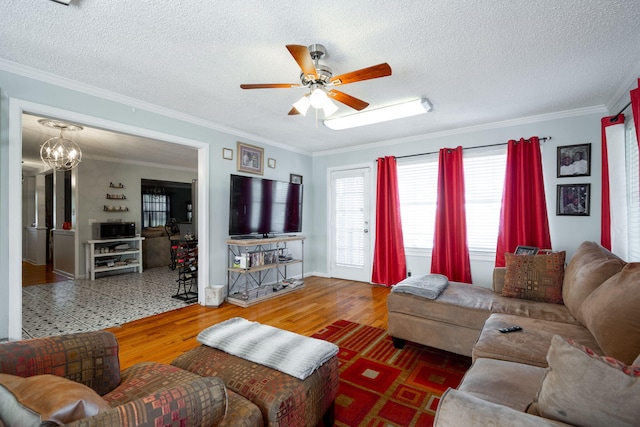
pixel 250 158
pixel 574 160
pixel 295 179
pixel 526 250
pixel 573 199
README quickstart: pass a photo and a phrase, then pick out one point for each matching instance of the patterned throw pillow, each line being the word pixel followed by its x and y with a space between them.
pixel 535 277
pixel 582 388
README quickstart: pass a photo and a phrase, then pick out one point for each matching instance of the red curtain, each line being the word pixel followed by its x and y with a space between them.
pixel 605 217
pixel 635 108
pixel 389 264
pixel 450 255
pixel 523 216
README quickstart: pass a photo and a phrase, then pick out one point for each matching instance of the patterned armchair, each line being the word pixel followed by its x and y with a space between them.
pixel 146 394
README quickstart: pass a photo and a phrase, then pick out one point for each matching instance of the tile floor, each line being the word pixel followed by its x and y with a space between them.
pixel 86 305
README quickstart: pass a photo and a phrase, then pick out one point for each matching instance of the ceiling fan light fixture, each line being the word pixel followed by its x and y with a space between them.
pixel 329 108
pixel 302 105
pixel 318 98
pixel 379 115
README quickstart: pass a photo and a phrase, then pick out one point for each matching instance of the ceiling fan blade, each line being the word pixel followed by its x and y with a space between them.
pixel 293 111
pixel 373 72
pixel 353 102
pixel 269 86
pixel 303 58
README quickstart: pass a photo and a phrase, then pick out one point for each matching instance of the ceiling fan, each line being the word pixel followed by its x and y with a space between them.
pixel 318 78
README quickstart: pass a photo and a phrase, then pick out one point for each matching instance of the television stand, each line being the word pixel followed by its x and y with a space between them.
pixel 261 268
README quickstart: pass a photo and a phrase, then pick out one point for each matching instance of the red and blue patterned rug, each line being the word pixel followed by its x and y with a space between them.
pixel 382 386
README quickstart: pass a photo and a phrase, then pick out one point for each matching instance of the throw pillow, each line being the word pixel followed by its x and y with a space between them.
pixel 46 399
pixel 534 277
pixel 612 314
pixel 582 388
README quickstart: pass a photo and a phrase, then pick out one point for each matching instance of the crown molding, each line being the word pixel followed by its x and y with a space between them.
pixel 50 78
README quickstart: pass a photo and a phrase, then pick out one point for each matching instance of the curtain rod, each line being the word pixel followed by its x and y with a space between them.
pixel 543 139
pixel 615 118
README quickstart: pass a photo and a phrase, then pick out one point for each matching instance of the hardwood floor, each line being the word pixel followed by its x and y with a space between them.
pixel 162 337
pixel 39 274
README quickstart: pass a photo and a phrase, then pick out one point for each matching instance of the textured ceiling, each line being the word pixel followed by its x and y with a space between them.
pixel 478 61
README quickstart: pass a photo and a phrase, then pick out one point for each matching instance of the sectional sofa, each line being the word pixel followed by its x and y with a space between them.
pixel 595 310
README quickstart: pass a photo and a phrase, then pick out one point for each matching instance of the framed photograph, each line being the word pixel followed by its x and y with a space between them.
pixel 250 158
pixel 295 179
pixel 574 160
pixel 271 163
pixel 526 250
pixel 573 199
pixel 227 153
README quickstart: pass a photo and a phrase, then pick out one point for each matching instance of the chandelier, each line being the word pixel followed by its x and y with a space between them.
pixel 59 152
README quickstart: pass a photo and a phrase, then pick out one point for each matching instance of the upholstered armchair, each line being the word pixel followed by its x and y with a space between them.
pixel 75 380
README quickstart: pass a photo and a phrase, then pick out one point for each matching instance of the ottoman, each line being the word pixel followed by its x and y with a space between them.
pixel 283 399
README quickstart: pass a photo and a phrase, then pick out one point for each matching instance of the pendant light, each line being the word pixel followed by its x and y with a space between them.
pixel 60 153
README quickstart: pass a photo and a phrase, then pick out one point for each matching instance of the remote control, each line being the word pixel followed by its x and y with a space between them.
pixel 510 329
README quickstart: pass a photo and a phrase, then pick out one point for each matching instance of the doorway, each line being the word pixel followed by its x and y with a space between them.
pixel 12 264
pixel 350 249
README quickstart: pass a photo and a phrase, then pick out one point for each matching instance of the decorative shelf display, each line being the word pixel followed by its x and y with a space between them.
pixel 110 208
pixel 112 196
pixel 260 269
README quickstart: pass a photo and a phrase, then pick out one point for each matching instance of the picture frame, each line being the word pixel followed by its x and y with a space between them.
pixel 526 250
pixel 250 158
pixel 573 199
pixel 227 153
pixel 574 160
pixel 295 179
pixel 271 163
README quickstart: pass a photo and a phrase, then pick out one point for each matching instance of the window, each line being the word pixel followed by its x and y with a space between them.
pixel 633 190
pixel 155 210
pixel 484 178
pixel 417 186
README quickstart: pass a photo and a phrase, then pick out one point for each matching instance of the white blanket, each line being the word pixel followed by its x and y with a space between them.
pixel 285 351
pixel 427 286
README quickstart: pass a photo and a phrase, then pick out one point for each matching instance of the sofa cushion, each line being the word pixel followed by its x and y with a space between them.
pixel 534 277
pixel 582 388
pixel 46 398
pixel 146 378
pixel 612 314
pixel 506 383
pixel 529 346
pixel 457 408
pixel 589 267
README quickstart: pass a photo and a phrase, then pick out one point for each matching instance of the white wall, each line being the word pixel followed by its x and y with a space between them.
pixel 567 232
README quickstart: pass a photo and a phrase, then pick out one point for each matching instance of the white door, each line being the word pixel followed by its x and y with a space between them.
pixel 350 242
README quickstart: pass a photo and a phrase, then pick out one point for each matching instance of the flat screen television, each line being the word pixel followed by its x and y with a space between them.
pixel 264 206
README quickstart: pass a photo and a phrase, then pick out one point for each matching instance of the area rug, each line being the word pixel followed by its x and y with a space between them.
pixel 382 386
